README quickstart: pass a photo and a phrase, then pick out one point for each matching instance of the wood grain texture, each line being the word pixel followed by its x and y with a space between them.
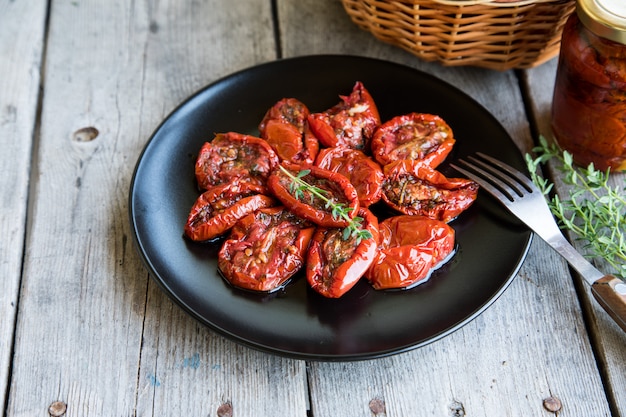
pixel 511 358
pixel 606 335
pixel 93 332
pixel 96 337
pixel 22 31
pixel 188 370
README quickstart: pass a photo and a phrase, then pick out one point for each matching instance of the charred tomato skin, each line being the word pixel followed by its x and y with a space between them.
pixel 285 127
pixel 334 264
pixel 416 189
pixel 309 207
pixel 351 122
pixel 265 249
pixel 408 250
pixel 365 174
pixel 415 136
pixel 220 207
pixel 234 155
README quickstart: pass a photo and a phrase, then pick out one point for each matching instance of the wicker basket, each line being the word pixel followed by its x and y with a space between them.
pixel 499 35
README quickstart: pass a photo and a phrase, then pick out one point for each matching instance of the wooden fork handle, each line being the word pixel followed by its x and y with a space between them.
pixel 610 292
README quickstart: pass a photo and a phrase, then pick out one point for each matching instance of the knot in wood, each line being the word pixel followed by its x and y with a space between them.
pixel 552 404
pixel 57 408
pixel 86 134
pixel 377 406
pixel 225 410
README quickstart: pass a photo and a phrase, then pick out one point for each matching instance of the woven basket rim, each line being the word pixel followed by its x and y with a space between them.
pixel 501 3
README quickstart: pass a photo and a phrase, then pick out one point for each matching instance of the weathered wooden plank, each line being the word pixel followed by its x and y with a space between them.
pixel 93 332
pixel 529 346
pixel 189 370
pixel 22 31
pixel 608 338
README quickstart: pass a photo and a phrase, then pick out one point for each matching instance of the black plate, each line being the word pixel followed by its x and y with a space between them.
pixel 297 322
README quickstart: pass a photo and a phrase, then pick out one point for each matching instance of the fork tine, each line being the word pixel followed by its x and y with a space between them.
pixel 496 178
pixel 521 178
pixel 502 195
pixel 502 179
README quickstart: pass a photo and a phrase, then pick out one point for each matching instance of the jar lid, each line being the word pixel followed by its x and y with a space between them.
pixel 605 18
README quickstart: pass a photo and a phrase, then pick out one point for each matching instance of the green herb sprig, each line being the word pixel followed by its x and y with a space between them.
pixel 338 210
pixel 593 210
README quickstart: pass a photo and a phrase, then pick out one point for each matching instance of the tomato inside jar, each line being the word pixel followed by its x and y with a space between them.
pixel 589 102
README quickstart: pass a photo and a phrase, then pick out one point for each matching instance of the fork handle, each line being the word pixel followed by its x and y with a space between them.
pixel 610 292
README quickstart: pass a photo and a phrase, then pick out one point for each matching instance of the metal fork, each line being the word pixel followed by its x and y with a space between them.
pixel 522 198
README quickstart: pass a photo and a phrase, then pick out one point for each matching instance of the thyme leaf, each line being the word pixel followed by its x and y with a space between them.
pixel 593 210
pixel 339 211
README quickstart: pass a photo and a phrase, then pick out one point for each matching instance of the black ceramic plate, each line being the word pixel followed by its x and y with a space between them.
pixel 297 322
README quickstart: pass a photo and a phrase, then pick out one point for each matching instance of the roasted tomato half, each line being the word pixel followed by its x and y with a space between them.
pixel 335 263
pixel 365 174
pixel 234 155
pixel 311 192
pixel 286 129
pixel 410 248
pixel 415 136
pixel 349 123
pixel 265 249
pixel 413 188
pixel 220 207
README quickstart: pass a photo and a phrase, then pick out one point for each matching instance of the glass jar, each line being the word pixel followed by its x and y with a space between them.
pixel 589 103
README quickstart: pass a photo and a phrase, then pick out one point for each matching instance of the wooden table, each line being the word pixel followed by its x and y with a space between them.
pixel 84 331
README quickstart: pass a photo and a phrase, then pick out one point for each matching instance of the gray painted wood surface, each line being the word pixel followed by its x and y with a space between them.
pixel 92 335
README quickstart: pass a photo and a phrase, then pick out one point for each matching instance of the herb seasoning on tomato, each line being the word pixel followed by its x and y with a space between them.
pixel 415 136
pixel 323 197
pixel 349 123
pixel 365 174
pixel 234 155
pixel 415 189
pixel 336 263
pixel 265 249
pixel 410 248
pixel 286 129
pixel 323 220
pixel 220 207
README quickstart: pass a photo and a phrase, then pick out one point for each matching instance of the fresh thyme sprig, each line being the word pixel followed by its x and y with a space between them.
pixel 338 210
pixel 594 210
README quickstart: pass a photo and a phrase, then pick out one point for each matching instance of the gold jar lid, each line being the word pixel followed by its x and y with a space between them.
pixel 605 18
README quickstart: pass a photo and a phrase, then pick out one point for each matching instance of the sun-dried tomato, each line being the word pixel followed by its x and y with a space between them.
pixel 234 155
pixel 415 136
pixel 286 129
pixel 410 248
pixel 349 123
pixel 220 207
pixel 331 187
pixel 413 188
pixel 265 249
pixel 365 174
pixel 335 264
